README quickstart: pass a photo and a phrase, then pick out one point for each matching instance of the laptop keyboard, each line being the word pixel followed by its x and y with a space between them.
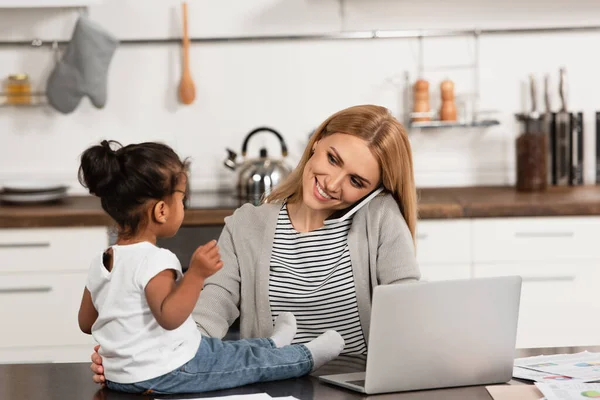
pixel 357 383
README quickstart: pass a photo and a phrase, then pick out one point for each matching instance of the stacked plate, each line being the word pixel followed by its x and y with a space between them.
pixel 25 192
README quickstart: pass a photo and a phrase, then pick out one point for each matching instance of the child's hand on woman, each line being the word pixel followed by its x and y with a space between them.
pixel 206 260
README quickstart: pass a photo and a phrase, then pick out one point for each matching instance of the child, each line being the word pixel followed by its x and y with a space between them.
pixel 137 302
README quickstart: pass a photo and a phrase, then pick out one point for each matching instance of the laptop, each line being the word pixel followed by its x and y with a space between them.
pixel 429 335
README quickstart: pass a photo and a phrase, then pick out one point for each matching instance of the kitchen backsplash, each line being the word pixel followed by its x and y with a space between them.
pixel 289 86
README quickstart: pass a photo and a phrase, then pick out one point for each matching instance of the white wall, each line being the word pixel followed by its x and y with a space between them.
pixel 292 86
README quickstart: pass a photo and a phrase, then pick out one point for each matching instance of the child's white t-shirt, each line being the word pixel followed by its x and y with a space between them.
pixel 133 346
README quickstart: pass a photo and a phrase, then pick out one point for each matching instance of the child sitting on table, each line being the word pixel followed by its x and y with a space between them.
pixel 137 302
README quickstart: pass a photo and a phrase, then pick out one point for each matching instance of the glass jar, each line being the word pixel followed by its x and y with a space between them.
pixel 18 89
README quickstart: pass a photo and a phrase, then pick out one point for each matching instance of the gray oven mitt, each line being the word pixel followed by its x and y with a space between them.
pixel 83 69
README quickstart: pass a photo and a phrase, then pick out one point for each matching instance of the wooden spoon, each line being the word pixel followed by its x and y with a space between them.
pixel 187 90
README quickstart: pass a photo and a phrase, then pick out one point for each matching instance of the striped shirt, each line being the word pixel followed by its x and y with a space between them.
pixel 311 277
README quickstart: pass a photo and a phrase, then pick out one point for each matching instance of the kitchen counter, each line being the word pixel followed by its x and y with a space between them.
pixel 210 208
pixel 74 382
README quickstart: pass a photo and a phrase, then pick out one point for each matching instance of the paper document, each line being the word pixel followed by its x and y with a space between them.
pixel 539 376
pixel 584 367
pixel 256 396
pixel 569 391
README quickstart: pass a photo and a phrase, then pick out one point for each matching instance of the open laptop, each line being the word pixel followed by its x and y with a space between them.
pixel 428 335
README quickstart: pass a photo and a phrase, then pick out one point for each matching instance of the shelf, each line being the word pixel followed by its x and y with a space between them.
pixel 453 124
pixel 37 99
pixel 46 3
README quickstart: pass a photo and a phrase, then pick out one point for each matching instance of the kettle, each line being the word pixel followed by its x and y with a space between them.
pixel 258 176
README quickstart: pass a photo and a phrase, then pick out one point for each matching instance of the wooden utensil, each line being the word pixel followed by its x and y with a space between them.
pixel 187 90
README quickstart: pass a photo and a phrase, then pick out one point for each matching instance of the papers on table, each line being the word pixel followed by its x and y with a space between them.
pixel 538 376
pixel 562 376
pixel 579 367
pixel 256 396
pixel 569 391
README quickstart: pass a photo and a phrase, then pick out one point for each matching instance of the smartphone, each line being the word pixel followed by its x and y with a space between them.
pixel 346 213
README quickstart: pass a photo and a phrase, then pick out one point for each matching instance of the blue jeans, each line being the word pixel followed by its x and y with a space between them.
pixel 226 364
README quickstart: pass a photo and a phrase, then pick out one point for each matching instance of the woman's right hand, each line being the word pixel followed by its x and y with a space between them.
pixel 97 367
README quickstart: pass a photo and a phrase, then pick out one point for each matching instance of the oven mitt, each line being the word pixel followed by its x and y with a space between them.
pixel 83 70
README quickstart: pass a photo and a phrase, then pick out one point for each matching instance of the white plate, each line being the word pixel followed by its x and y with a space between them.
pixel 31 186
pixel 31 198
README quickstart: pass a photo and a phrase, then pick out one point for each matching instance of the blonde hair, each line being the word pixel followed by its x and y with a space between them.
pixel 387 140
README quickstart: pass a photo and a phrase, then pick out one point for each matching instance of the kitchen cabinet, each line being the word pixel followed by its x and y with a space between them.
pixel 557 257
pixel 535 239
pixel 559 303
pixel 444 249
pixel 559 261
pixel 42 275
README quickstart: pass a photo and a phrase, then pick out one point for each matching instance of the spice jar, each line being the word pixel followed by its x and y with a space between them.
pixel 18 89
pixel 448 109
pixel 421 101
pixel 532 158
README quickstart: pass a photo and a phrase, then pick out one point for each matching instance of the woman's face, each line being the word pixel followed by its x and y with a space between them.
pixel 341 171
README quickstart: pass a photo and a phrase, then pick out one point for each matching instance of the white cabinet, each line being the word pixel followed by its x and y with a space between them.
pixel 444 249
pixel 535 239
pixel 42 276
pixel 559 302
pixel 557 257
pixel 559 261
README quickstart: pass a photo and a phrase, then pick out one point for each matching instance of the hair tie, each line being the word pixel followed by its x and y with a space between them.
pixel 106 145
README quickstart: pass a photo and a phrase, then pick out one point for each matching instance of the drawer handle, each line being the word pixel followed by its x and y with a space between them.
pixel 544 234
pixel 422 236
pixel 554 278
pixel 21 245
pixel 38 289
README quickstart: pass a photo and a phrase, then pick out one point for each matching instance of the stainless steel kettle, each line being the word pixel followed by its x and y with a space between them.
pixel 258 176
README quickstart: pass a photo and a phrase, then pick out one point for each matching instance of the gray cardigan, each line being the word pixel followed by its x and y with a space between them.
pixel 381 251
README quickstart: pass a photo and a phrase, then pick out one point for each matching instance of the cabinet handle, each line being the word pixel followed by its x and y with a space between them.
pixel 544 234
pixel 421 236
pixel 554 278
pixel 39 289
pixel 21 245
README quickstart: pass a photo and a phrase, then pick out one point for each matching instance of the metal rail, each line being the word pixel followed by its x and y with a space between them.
pixel 348 35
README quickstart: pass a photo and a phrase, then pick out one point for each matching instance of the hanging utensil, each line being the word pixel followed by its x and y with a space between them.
pixel 187 90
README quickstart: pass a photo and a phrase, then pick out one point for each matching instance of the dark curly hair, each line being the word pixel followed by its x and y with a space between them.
pixel 126 178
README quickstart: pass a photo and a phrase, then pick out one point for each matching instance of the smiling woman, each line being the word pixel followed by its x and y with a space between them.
pixel 296 254
pixel 322 240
